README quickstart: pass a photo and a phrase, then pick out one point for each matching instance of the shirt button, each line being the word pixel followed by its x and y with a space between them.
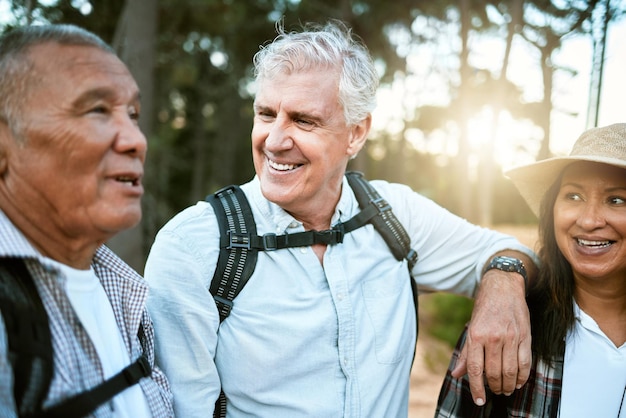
pixel 293 224
pixel 303 250
pixel 340 297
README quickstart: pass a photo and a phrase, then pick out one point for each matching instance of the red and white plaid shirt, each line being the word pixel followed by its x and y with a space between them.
pixel 538 398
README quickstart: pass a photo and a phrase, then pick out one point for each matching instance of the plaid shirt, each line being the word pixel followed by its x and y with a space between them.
pixel 538 398
pixel 76 364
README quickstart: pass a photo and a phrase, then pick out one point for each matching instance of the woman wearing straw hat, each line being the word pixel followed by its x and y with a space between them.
pixel 578 302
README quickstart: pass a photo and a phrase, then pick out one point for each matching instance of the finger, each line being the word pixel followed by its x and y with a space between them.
pixel 493 366
pixel 475 368
pixel 510 366
pixel 524 362
pixel 460 368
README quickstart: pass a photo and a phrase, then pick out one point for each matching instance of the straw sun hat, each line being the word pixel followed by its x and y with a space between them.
pixel 603 145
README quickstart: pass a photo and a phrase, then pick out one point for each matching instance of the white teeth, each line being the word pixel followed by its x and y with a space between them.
pixel 281 167
pixel 587 243
pixel 129 180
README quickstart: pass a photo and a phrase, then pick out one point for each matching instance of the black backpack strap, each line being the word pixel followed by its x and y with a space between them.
pixel 28 333
pixel 386 224
pixel 86 402
pixel 30 351
pixel 237 258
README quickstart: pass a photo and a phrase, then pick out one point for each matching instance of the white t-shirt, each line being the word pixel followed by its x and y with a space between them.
pixel 594 373
pixel 96 314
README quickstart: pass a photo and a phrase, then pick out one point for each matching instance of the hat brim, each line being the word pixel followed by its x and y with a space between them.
pixel 534 180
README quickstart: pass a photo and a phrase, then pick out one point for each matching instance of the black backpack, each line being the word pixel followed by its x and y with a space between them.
pixel 240 244
pixel 30 351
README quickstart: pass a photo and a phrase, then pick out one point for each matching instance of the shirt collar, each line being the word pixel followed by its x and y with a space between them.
pixel 12 242
pixel 284 222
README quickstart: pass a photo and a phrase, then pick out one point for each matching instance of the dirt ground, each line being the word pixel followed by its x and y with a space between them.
pixel 429 368
pixel 432 356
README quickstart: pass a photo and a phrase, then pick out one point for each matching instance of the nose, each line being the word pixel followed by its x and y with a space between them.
pixel 591 216
pixel 130 139
pixel 279 136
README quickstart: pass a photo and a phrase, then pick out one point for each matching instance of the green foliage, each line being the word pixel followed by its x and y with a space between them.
pixel 444 315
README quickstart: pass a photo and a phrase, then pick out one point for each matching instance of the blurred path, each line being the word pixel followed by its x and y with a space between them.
pixel 429 368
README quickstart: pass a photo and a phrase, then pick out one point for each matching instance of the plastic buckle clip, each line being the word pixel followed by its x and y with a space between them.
pixel 236 240
pixel 328 237
pixel 270 243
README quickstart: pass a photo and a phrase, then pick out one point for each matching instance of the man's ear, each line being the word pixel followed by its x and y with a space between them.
pixel 5 137
pixel 358 135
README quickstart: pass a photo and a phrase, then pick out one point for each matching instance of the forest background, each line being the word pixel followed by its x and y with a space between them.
pixel 450 118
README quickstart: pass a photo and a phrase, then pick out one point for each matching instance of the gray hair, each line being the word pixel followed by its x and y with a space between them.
pixel 323 47
pixel 16 69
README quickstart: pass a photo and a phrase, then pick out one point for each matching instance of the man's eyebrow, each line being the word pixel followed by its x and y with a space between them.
pixel 97 94
pixel 260 107
pixel 294 115
pixel 306 116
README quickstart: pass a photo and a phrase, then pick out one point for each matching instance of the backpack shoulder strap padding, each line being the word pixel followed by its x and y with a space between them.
pixel 237 258
pixel 28 334
pixel 386 223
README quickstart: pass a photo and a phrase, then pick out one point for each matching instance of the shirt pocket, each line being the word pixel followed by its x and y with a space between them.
pixel 389 305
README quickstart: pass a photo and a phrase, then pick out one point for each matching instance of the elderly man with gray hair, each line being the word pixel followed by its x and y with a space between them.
pixel 75 337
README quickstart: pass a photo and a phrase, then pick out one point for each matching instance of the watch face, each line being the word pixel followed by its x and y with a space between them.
pixel 507 260
pixel 507 264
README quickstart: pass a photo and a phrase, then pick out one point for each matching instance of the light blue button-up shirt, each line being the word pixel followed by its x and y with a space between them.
pixel 306 339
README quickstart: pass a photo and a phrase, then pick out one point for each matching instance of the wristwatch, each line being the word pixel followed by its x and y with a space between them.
pixel 510 264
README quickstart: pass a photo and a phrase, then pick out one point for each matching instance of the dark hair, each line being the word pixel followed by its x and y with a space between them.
pixel 551 295
pixel 16 70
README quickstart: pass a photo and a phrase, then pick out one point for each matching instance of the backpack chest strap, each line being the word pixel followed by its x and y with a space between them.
pixel 335 235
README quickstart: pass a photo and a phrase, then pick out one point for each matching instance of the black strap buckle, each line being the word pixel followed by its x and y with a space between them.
pixel 236 240
pixel 269 242
pixel 141 368
pixel 328 236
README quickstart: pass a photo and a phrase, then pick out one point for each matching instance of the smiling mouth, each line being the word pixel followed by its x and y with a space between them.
pixel 129 180
pixel 594 244
pixel 282 167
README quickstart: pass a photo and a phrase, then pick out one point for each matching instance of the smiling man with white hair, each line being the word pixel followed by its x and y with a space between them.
pixel 325 327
